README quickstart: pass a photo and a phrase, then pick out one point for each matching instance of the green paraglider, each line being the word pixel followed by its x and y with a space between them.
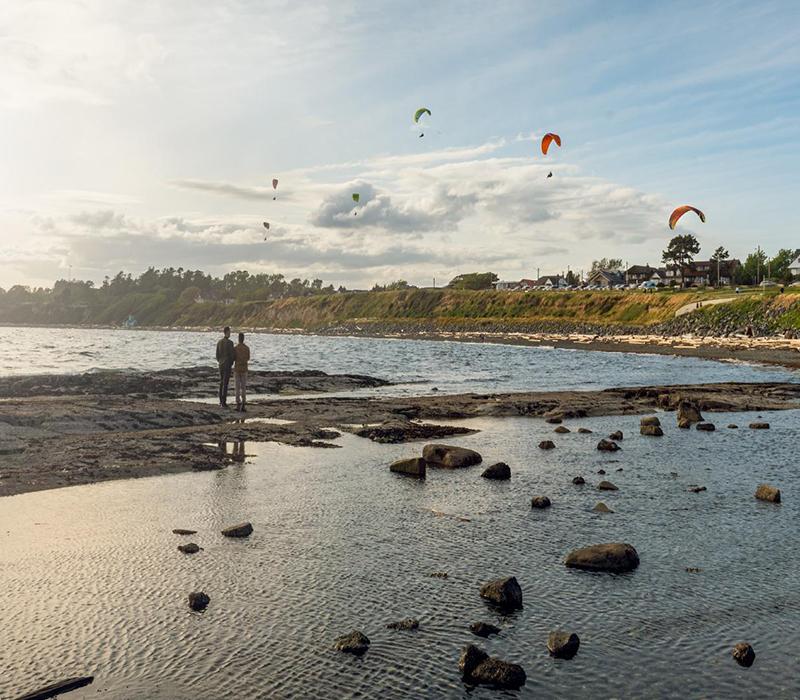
pixel 420 112
pixel 356 197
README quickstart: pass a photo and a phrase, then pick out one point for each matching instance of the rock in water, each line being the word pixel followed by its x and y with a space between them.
pixel 561 429
pixel 616 557
pixel 563 645
pixel 607 446
pixel 759 426
pixel 707 427
pixel 684 424
pixel 694 488
pixel 189 548
pixel 546 445
pixel 500 471
pixel 353 643
pixel 733 426
pixel 408 624
pixel 602 508
pixel 616 435
pixel 240 530
pixel 478 668
pixel 181 531
pixel 584 431
pixel 416 466
pixel 483 629
pixel 652 430
pixel 606 486
pixel 451 457
pixel 198 601
pixel 553 417
pixel 744 654
pixel 503 592
pixel 649 420
pixel 578 481
pixel 540 502
pixel 765 492
pixel 689 411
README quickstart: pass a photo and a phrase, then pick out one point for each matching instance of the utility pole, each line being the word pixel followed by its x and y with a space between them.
pixel 758 264
pixel 537 273
pixel 434 283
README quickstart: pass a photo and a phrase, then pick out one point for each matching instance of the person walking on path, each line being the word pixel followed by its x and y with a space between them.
pixel 225 359
pixel 241 358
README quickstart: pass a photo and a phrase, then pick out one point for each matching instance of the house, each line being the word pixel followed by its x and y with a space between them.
pixel 505 285
pixel 606 278
pixel 637 274
pixel 794 267
pixel 549 282
pixel 701 273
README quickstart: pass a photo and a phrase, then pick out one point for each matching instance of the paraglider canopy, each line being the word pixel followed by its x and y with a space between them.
pixel 547 139
pixel 274 183
pixel 680 211
pixel 550 174
pixel 356 197
pixel 266 225
pixel 420 112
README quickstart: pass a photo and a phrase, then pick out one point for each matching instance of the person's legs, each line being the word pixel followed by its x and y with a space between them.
pixel 237 383
pixel 221 385
pixel 244 388
pixel 226 378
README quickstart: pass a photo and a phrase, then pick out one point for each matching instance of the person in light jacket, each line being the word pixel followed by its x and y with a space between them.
pixel 225 359
pixel 241 358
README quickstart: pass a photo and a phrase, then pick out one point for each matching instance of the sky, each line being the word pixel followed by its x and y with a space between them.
pixel 137 134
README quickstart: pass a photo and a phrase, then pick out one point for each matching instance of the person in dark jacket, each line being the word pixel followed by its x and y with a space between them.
pixel 225 358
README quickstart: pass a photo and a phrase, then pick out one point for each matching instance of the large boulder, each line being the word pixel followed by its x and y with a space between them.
pixel 561 429
pixel 503 592
pixel 563 645
pixel 607 446
pixel 765 492
pixel 540 502
pixel 483 629
pixel 240 530
pixel 478 668
pixel 616 436
pixel 651 430
pixel 546 445
pixel 198 601
pixel 415 466
pixel 601 507
pixel 450 457
pixel 500 472
pixel 650 420
pixel 707 427
pixel 743 654
pixel 616 557
pixel 353 643
pixel 689 411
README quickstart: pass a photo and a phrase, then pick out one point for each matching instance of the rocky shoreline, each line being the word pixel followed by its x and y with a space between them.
pixel 63 439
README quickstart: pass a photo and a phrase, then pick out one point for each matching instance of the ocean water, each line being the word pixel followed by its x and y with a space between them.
pixel 91 581
pixel 416 365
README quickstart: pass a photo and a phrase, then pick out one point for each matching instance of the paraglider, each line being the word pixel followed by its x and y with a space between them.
pixel 680 211
pixel 547 139
pixel 356 197
pixel 274 186
pixel 550 174
pixel 418 114
pixel 266 226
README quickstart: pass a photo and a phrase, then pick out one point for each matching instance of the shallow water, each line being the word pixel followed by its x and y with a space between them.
pixel 91 581
pixel 417 365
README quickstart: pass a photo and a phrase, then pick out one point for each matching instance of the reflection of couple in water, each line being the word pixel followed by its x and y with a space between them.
pixel 237 453
pixel 236 358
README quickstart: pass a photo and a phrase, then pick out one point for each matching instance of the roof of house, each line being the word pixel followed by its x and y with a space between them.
pixel 641 270
pixel 613 276
pixel 553 279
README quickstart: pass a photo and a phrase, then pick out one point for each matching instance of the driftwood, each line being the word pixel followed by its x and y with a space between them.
pixel 57 688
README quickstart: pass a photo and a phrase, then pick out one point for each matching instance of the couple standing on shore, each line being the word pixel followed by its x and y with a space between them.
pixel 230 357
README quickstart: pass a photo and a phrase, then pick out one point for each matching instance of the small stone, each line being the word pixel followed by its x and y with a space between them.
pixel 616 436
pixel 181 531
pixel 546 445
pixel 439 574
pixel 584 431
pixel 733 426
pixel 561 429
pixel 499 472
pixel 578 480
pixel 416 466
pixel 198 601
pixel 615 557
pixel 241 530
pixel 540 502
pixel 758 425
pixel 765 492
pixel 407 625
pixel 607 446
pixel 353 643
pixel 190 548
pixel 563 645
pixel 743 654
pixel 694 488
pixel 504 592
pixel 602 508
pixel 478 668
pixel 450 457
pixel 650 420
pixel 651 430
pixel 707 427
pixel 693 569
pixel 601 471
pixel 606 486
pixel 553 419
pixel 483 629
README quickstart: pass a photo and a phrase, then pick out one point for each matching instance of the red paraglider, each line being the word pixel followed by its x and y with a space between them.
pixel 680 211
pixel 547 139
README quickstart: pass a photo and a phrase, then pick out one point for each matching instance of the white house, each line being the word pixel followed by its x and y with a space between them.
pixel 794 267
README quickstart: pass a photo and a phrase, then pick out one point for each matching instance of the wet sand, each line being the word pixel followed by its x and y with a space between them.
pixel 49 441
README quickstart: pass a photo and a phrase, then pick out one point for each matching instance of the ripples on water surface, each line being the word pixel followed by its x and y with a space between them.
pixel 91 581
pixel 450 366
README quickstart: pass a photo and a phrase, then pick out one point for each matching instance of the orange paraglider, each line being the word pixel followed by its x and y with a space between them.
pixel 680 211
pixel 547 139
